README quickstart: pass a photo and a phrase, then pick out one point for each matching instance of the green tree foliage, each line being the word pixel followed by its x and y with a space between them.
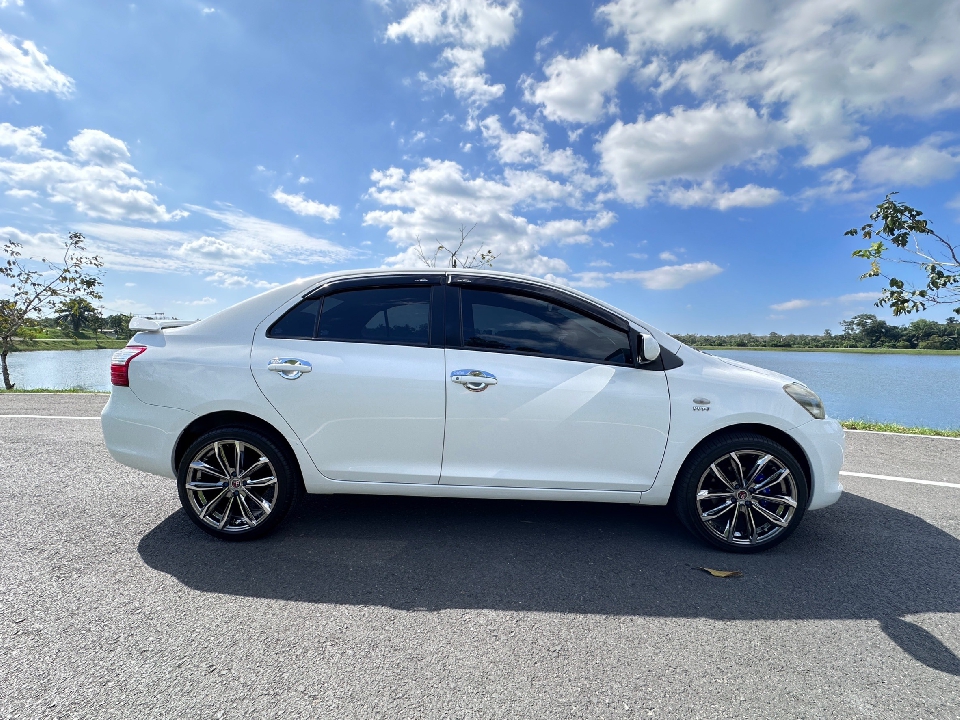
pixel 915 244
pixel 77 313
pixel 38 286
pixel 861 331
pixel 120 324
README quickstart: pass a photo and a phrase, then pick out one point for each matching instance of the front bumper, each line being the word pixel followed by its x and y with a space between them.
pixel 823 443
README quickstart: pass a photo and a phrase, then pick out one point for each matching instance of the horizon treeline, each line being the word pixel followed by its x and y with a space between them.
pixel 861 331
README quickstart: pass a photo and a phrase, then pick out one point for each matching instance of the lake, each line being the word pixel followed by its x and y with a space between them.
pixel 919 390
pixel 913 390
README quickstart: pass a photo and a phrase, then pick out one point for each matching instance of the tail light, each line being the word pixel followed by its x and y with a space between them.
pixel 120 364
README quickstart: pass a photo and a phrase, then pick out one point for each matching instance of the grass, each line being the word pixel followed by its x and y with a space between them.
pixel 865 351
pixel 68 344
pixel 901 429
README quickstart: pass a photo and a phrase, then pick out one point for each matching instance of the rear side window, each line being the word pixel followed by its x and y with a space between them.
pixel 299 322
pixel 394 315
pixel 506 322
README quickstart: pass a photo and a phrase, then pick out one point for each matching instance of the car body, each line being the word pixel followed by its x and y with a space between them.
pixel 436 403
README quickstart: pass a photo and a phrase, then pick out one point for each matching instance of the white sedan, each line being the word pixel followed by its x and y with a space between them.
pixel 463 384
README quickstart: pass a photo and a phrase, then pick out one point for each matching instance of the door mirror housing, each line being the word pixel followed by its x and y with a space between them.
pixel 649 348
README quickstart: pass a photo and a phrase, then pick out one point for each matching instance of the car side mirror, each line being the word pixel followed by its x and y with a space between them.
pixel 649 348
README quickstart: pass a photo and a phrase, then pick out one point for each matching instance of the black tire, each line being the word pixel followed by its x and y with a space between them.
pixel 704 488
pixel 260 504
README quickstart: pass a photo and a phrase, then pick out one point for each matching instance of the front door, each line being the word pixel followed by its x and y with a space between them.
pixel 370 406
pixel 541 395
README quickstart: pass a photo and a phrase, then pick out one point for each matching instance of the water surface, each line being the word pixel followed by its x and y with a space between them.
pixel 61 369
pixel 916 390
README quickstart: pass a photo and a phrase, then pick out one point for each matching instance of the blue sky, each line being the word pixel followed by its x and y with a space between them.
pixel 694 162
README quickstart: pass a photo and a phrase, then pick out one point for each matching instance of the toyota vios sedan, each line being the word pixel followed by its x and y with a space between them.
pixel 463 384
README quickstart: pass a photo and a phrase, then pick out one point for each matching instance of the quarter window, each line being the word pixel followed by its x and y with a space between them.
pixel 516 323
pixel 395 315
pixel 299 322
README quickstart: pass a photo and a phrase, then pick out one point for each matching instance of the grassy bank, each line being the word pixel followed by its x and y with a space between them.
pixel 865 351
pixel 900 429
pixel 68 344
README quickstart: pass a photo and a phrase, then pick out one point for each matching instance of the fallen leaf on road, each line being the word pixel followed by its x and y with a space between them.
pixel 722 573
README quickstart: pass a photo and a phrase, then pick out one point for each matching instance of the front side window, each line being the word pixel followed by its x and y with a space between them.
pixel 507 322
pixel 395 315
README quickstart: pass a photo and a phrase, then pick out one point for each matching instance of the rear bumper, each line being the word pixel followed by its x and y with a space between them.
pixel 823 443
pixel 142 436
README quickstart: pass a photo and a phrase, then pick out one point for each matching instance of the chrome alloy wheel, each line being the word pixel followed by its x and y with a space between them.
pixel 231 486
pixel 747 497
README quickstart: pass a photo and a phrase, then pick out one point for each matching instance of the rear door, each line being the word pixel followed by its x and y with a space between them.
pixel 544 395
pixel 365 387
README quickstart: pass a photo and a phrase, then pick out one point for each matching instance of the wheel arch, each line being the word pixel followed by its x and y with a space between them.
pixel 227 418
pixel 768 431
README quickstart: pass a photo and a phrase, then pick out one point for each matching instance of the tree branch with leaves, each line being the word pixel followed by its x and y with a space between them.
pixel 913 243
pixel 36 286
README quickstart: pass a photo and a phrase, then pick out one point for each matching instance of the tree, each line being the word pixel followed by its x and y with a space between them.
pixel 77 313
pixel 36 286
pixel 902 224
pixel 120 324
pixel 479 258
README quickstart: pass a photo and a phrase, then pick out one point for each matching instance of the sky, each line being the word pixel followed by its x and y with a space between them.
pixel 695 162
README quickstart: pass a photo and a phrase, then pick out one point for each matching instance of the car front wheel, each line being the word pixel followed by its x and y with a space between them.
pixel 741 493
pixel 236 483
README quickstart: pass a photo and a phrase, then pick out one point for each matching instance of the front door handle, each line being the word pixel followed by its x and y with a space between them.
pixel 473 380
pixel 289 368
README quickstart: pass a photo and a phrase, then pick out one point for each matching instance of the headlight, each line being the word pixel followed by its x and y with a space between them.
pixel 807 398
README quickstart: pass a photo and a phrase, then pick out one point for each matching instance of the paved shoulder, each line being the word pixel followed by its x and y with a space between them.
pixel 912 456
pixel 69 404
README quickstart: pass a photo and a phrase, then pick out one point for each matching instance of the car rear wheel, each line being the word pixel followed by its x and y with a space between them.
pixel 236 483
pixel 741 493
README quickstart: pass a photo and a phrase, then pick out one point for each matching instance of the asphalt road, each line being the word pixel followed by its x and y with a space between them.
pixel 115 605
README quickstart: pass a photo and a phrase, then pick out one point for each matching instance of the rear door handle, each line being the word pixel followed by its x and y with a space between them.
pixel 473 380
pixel 289 368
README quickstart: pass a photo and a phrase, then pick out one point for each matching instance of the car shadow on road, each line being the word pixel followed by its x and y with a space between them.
pixel 856 560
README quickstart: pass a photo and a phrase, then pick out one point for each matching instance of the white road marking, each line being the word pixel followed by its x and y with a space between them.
pixel 55 417
pixel 901 479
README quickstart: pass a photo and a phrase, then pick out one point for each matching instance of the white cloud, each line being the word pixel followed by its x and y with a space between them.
pixel 22 193
pixel 708 194
pixel 95 179
pixel 95 147
pixel 435 199
pixel 304 180
pixel 848 299
pixel 24 141
pixel 203 301
pixel 578 89
pixel 228 280
pixel 671 277
pixel 668 256
pixel 918 165
pixel 689 144
pixel 302 206
pixel 216 251
pixel 236 240
pixel 471 27
pixel 471 23
pixel 24 67
pixel 824 67
pixel 280 243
